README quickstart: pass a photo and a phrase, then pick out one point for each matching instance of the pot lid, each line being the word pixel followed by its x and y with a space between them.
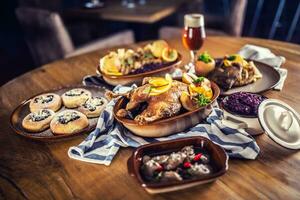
pixel 281 123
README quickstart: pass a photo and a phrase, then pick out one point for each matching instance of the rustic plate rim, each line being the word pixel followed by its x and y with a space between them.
pixel 167 120
pixel 216 175
pixel 48 138
pixel 161 69
pixel 223 93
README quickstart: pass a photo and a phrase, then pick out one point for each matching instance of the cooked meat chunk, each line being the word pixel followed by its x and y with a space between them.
pixel 188 151
pixel 170 176
pixel 150 167
pixel 174 160
pixel 199 169
pixel 161 159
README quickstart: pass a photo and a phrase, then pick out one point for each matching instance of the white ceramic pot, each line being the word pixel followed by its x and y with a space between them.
pixel 250 124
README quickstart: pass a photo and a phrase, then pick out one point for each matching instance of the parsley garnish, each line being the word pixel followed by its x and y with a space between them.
pixel 205 57
pixel 231 58
pixel 199 79
pixel 148 55
pixel 202 100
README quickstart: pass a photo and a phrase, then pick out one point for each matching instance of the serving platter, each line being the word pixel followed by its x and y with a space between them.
pixel 270 79
pixel 23 109
pixel 170 125
pixel 217 153
pixel 137 78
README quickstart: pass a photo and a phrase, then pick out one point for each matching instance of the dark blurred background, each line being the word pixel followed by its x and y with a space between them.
pixel 148 19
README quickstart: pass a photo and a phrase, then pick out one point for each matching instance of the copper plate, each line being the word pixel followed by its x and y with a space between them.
pixel 218 157
pixel 138 78
pixel 23 109
pixel 270 79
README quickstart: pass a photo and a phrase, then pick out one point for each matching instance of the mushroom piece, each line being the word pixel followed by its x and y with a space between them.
pixel 189 152
pixel 174 160
pixel 170 176
pixel 199 169
pixel 162 159
pixel 150 167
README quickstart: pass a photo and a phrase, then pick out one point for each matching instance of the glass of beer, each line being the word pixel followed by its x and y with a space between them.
pixel 193 35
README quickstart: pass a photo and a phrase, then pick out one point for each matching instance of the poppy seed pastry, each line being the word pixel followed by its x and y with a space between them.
pixel 45 101
pixel 75 97
pixel 68 122
pixel 38 121
pixel 93 106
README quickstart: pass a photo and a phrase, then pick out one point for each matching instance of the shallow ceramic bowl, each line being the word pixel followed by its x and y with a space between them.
pixel 170 125
pixel 138 78
pixel 219 161
pixel 237 121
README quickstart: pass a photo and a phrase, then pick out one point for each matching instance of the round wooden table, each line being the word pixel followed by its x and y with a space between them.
pixel 35 170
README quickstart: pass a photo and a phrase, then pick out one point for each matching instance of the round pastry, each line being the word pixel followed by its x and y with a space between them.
pixel 38 121
pixel 45 101
pixel 75 97
pixel 68 122
pixel 93 106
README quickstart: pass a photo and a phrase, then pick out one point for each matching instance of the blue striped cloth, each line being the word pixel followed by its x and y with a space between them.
pixel 103 143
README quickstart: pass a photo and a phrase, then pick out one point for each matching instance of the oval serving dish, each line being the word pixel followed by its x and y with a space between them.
pixel 138 78
pixel 218 157
pixel 170 125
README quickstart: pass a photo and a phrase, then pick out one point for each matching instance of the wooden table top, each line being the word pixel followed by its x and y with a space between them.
pixel 38 170
pixel 149 13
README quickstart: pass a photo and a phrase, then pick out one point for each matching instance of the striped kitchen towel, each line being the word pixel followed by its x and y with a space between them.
pixel 104 142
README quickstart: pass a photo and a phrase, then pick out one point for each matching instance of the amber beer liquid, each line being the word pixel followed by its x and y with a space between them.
pixel 193 34
pixel 193 38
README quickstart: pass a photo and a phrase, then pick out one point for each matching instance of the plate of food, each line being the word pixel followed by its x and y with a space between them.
pixel 60 113
pixel 177 164
pixel 127 66
pixel 163 106
pixel 234 74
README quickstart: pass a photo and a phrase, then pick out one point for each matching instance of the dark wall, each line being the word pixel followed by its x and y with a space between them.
pixel 15 57
pixel 269 10
pixel 14 54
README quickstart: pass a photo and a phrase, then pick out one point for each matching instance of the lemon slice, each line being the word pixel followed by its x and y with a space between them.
pixel 237 59
pixel 206 91
pixel 162 89
pixel 157 47
pixel 158 81
pixel 194 89
pixel 168 77
pixel 108 65
pixel 114 73
pixel 169 55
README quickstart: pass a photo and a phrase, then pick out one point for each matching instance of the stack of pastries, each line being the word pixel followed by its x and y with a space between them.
pixel 46 111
